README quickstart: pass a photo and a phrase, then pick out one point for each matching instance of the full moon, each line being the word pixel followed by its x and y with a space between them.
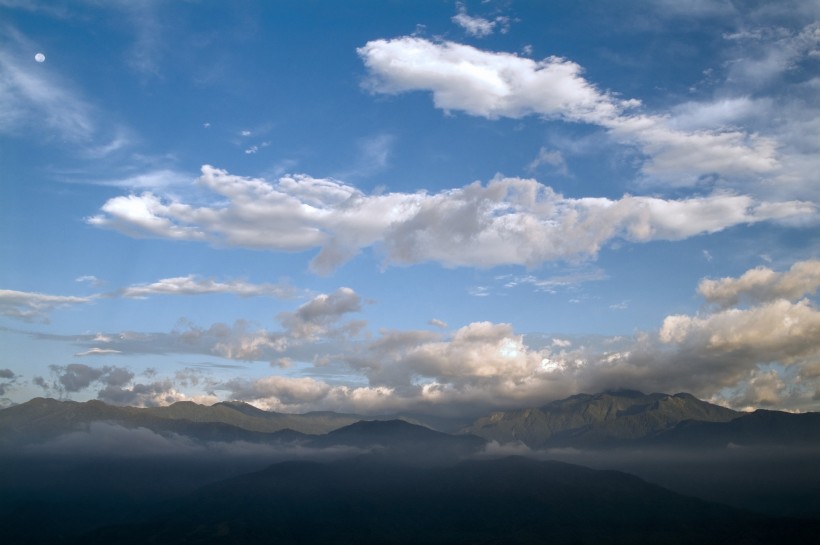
pixel 39 57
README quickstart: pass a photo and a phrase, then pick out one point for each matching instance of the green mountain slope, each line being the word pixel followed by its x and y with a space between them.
pixel 597 420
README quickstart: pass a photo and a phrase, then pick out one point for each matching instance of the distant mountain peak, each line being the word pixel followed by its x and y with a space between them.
pixel 623 392
pixel 380 427
pixel 598 419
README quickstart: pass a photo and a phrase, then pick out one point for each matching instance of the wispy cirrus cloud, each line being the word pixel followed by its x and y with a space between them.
pixel 479 27
pixel 321 324
pixel 40 100
pixel 32 95
pixel 34 306
pixel 195 285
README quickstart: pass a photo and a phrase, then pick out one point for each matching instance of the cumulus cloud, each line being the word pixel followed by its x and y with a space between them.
pixel 74 377
pixel 762 284
pixel 487 84
pixel 774 331
pixel 299 394
pixel 765 353
pixel 118 385
pixel 241 340
pixel 320 316
pixel 33 306
pixel 478 27
pixel 8 381
pixel 194 285
pixel 305 332
pixel 480 365
pixel 506 221
pixel 497 84
pixel 762 356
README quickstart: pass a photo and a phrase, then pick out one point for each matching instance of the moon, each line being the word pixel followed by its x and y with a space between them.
pixel 39 57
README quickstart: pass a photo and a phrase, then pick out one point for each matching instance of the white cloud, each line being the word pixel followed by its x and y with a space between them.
pixel 553 158
pixel 478 27
pixel 438 323
pixel 90 279
pixel 768 52
pixel 507 221
pixel 300 394
pixel 241 340
pixel 97 352
pixel 773 331
pixel 316 329
pixel 767 354
pixel 717 114
pixel 156 179
pixel 320 316
pixel 75 377
pixel 33 306
pixel 763 284
pixel 497 84
pixel 194 285
pixel 487 84
pixel 552 284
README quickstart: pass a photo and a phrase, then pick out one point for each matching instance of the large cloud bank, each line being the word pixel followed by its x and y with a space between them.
pixel 764 353
pixel 507 221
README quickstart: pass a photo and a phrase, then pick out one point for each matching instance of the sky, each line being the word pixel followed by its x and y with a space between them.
pixel 423 207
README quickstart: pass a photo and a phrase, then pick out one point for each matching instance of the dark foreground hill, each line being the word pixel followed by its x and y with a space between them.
pixel 511 500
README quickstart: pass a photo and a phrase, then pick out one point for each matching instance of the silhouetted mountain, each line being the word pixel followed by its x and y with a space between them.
pixel 760 428
pixel 245 416
pixel 597 420
pixel 397 438
pixel 42 419
pixel 511 501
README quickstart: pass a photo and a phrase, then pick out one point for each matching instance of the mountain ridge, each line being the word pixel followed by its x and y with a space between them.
pixel 599 419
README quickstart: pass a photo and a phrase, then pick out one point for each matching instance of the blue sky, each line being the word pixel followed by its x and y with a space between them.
pixel 409 206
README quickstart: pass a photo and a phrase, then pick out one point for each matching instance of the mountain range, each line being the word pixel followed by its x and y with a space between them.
pixel 603 420
pixel 103 473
